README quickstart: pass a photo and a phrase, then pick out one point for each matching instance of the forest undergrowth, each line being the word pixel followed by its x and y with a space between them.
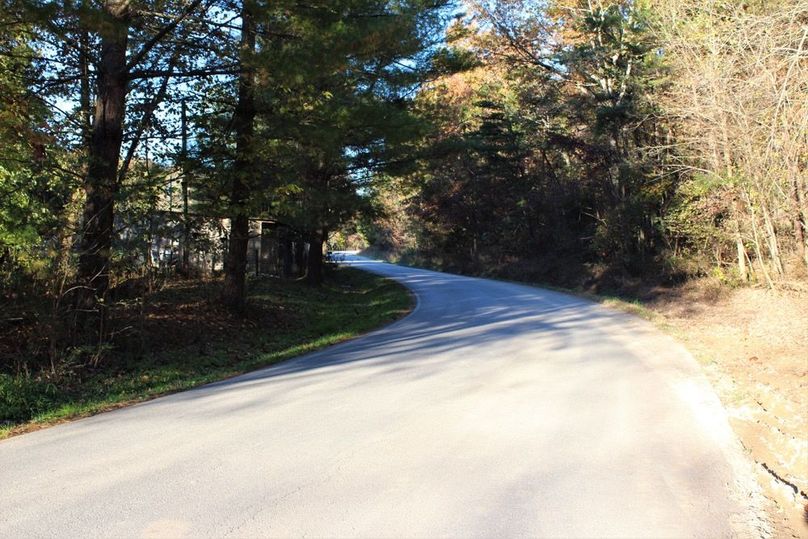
pixel 176 338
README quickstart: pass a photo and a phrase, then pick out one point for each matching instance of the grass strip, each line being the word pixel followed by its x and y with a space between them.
pixel 187 340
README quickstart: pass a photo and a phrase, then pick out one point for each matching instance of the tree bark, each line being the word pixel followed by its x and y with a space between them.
pixel 300 257
pixel 73 209
pixel 314 262
pixel 101 180
pixel 186 224
pixel 771 240
pixel 243 124
pixel 287 256
pixel 799 218
pixel 742 271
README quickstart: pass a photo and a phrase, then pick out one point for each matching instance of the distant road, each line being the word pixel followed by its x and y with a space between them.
pixel 493 410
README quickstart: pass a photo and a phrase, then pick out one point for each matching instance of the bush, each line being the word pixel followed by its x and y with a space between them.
pixel 23 397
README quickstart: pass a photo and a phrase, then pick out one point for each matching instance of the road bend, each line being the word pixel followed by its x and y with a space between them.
pixel 494 409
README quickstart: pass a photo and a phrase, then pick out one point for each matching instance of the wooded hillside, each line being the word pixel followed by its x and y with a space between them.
pixel 596 140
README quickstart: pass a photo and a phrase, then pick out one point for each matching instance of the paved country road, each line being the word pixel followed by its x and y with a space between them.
pixel 492 410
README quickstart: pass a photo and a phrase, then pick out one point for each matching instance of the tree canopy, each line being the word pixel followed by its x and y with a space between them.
pixel 559 140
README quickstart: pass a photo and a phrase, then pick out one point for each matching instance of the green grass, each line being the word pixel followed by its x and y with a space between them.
pixel 192 342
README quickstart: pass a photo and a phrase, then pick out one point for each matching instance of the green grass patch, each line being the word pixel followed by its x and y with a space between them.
pixel 182 338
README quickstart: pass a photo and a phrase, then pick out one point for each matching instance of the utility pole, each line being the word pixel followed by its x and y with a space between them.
pixel 186 225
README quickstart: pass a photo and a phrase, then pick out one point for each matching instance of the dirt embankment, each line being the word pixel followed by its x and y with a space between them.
pixel 753 344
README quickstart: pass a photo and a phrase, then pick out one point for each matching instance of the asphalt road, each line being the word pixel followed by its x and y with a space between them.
pixel 492 410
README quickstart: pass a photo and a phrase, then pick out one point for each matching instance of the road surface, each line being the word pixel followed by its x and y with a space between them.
pixel 492 410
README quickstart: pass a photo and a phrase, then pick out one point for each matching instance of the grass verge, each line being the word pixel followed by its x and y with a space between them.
pixel 181 338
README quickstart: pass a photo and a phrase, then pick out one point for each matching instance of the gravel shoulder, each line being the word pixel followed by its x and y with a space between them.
pixel 753 346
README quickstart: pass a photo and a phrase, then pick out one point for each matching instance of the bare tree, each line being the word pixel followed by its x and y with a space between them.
pixel 739 98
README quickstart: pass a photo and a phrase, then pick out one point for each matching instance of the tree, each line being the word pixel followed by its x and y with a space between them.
pixel 549 143
pixel 328 85
pixel 736 70
pixel 243 165
pixel 34 178
pixel 109 52
pixel 104 147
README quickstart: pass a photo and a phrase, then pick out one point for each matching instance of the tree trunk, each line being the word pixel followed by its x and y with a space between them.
pixel 268 246
pixel 799 218
pixel 285 254
pixel 314 262
pixel 756 243
pixel 73 209
pixel 771 240
pixel 101 180
pixel 286 257
pixel 65 237
pixel 186 222
pixel 243 124
pixel 742 271
pixel 85 114
pixel 300 257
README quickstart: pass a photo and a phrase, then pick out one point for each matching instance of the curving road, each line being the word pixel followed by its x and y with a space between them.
pixel 492 410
